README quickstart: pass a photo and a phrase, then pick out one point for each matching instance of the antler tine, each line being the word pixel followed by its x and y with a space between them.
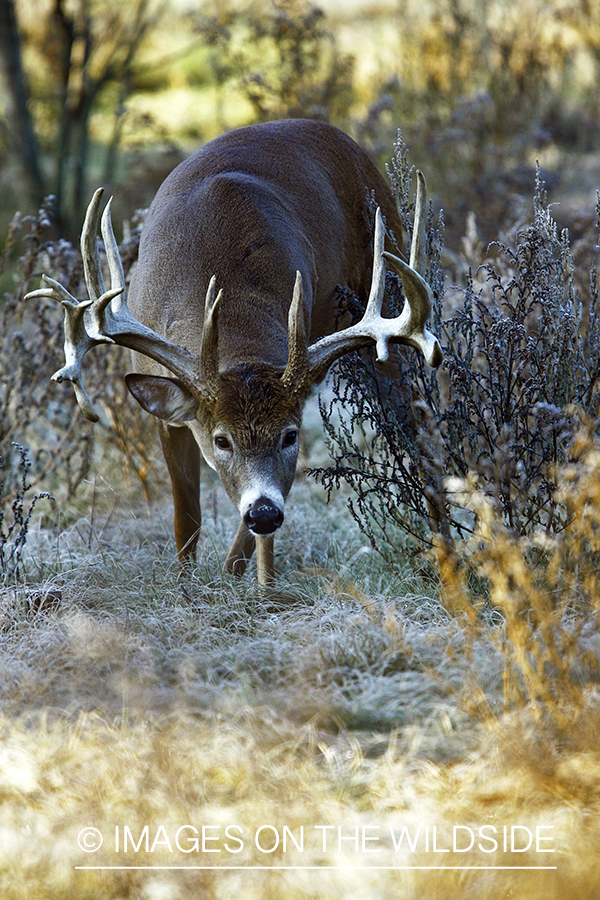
pixel 375 301
pixel 208 369
pixel 409 326
pixel 92 270
pixel 418 244
pixel 419 296
pixel 115 263
pixel 297 369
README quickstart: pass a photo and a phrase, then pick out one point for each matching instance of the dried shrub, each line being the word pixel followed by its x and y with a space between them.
pixel 521 369
pixel 546 587
pixel 43 415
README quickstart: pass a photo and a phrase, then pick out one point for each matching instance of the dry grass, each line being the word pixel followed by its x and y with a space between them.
pixel 345 696
pixel 251 769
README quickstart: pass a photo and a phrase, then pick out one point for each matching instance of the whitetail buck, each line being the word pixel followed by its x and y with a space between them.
pixel 276 216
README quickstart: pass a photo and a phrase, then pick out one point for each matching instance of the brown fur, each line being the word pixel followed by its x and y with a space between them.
pixel 254 405
pixel 253 208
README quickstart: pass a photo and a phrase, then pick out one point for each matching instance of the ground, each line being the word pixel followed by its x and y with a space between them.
pixel 341 719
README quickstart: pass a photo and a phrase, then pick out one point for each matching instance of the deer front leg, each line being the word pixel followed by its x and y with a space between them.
pixel 265 560
pixel 182 457
pixel 241 550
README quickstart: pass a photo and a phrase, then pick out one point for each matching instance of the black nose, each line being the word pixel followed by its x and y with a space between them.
pixel 263 517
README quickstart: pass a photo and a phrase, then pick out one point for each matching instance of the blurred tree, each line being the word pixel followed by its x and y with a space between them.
pixel 96 48
pixel 88 55
pixel 287 65
pixel 17 125
pixel 302 73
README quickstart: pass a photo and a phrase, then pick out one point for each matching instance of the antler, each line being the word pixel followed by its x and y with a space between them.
pixel 105 318
pixel 310 365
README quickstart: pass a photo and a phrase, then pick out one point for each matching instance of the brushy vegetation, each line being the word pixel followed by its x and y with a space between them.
pixel 452 686
pixel 520 375
pixel 40 413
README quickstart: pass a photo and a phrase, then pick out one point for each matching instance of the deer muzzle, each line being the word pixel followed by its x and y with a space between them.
pixel 263 516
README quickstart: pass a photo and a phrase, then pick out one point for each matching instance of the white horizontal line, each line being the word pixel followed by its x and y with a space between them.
pixel 317 868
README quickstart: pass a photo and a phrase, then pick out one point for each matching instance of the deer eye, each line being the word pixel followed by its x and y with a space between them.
pixel 222 443
pixel 290 438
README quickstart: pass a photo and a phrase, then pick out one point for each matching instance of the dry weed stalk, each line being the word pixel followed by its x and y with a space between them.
pixel 41 414
pixel 14 527
pixel 546 587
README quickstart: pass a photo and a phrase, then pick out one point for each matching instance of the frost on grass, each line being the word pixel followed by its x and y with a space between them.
pixel 458 689
pixel 344 696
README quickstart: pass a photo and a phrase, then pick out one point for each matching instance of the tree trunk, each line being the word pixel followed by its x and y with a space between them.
pixel 14 86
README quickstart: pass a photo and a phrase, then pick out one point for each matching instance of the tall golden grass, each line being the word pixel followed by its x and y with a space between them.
pixel 544 587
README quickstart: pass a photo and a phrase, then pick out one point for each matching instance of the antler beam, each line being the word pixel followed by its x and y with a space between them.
pixel 105 318
pixel 407 328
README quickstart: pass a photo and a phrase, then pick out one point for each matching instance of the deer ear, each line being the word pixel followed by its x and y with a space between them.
pixel 165 398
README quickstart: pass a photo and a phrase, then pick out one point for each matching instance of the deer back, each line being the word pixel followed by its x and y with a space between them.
pixel 252 208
